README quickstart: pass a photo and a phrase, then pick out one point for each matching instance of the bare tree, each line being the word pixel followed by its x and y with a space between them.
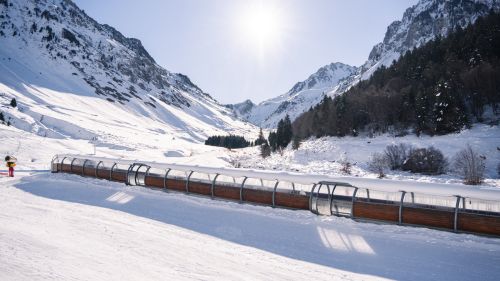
pixel 378 164
pixel 345 165
pixel 397 155
pixel 429 161
pixel 470 165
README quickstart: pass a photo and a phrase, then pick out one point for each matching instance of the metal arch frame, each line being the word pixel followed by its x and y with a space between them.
pixel 331 199
pixel 111 172
pixel 187 181
pixel 400 219
pixel 147 172
pixel 353 200
pixel 127 181
pixel 329 195
pixel 52 164
pixel 212 188
pixel 317 192
pixel 274 192
pixel 241 188
pixel 455 219
pixel 62 162
pixel 311 197
pixel 137 173
pixel 165 178
pixel 83 167
pixel 97 169
pixel 71 165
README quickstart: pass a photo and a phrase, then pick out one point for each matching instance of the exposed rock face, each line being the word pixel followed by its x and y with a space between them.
pixel 117 67
pixel 421 23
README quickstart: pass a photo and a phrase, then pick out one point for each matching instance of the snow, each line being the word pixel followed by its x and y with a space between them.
pixel 65 227
pixel 56 226
pixel 323 155
pixel 56 99
pixel 301 97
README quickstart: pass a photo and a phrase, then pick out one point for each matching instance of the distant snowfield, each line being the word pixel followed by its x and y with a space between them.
pixel 65 227
pixel 322 155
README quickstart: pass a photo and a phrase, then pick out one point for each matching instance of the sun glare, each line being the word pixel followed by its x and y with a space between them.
pixel 262 25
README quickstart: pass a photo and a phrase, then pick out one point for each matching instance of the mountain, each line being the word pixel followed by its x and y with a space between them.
pixel 299 98
pixel 421 23
pixel 76 78
pixel 242 108
pixel 440 87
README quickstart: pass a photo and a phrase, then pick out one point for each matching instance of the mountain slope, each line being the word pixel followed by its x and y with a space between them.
pixel 300 97
pixel 421 23
pixel 73 77
pixel 441 87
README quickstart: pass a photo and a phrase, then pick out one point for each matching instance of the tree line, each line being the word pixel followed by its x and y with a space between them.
pixel 438 88
pixel 231 141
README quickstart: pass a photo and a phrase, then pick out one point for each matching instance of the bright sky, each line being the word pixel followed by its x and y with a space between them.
pixel 250 49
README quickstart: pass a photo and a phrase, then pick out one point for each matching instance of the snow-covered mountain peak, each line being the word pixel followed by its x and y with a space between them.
pixel 55 56
pixel 326 77
pixel 420 23
pixel 299 98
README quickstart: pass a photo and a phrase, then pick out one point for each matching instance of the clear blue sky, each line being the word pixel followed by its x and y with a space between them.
pixel 250 49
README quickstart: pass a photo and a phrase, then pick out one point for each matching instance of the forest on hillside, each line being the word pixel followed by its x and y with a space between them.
pixel 439 88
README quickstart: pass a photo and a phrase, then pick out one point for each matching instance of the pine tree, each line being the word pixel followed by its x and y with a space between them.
pixel 295 142
pixel 13 102
pixel 265 150
pixel 273 141
pixel 261 139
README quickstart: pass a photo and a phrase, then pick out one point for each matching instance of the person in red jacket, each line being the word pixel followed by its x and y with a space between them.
pixel 11 163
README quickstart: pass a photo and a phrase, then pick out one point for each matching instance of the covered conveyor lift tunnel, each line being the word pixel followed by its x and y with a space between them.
pixel 433 205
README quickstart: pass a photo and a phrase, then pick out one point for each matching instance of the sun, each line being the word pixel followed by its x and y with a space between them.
pixel 262 24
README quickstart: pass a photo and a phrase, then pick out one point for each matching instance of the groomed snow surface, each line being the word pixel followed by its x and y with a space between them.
pixel 65 227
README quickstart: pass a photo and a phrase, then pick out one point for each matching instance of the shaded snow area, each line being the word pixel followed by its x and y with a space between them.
pixel 65 227
pixel 324 155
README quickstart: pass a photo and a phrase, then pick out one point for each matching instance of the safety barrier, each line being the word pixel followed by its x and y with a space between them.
pixel 318 194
